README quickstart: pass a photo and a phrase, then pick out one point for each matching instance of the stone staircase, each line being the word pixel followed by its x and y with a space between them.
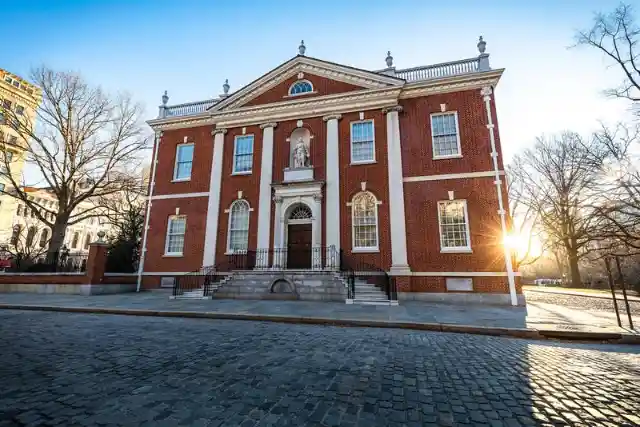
pixel 302 285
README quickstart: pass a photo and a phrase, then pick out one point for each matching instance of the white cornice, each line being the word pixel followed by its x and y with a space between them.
pixel 328 104
pixel 16 94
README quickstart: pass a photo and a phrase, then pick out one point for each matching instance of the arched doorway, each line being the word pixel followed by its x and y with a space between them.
pixel 299 236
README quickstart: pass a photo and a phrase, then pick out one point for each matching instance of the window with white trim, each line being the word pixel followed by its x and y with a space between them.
pixel 176 229
pixel 243 154
pixel 362 142
pixel 184 162
pixel 454 225
pixel 300 87
pixel 364 218
pixel 445 135
pixel 238 236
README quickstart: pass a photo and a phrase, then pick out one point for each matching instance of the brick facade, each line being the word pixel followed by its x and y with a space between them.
pixel 422 188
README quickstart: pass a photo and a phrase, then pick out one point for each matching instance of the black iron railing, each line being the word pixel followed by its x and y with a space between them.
pixel 57 262
pixel 352 271
pixel 315 258
pixel 207 279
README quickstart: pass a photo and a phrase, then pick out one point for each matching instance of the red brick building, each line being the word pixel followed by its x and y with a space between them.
pixel 320 166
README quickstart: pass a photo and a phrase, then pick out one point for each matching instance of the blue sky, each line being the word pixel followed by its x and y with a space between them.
pixel 190 47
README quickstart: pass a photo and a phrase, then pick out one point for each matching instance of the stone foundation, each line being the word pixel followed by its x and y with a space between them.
pixel 69 289
pixel 461 297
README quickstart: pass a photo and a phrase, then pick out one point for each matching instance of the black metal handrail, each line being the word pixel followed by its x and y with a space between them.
pixel 370 273
pixel 205 278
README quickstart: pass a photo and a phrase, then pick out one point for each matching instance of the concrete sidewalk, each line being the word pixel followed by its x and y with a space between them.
pixel 537 320
pixel 560 291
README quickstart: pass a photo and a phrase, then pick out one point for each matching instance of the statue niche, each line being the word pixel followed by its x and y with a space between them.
pixel 300 141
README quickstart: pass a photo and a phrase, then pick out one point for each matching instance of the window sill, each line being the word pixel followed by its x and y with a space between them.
pixel 172 255
pixel 368 162
pixel 181 179
pixel 365 250
pixel 452 156
pixel 241 173
pixel 456 251
pixel 301 94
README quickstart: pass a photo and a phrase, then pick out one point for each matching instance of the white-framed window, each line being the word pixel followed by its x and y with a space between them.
pixel 445 135
pixel 363 149
pixel 76 240
pixel 300 87
pixel 364 222
pixel 176 228
pixel 238 235
pixel 19 110
pixel 453 219
pixel 44 238
pixel 184 162
pixel 243 154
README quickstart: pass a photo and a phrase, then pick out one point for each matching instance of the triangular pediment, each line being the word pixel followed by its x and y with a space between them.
pixel 332 78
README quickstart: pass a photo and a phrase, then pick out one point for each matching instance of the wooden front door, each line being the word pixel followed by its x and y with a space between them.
pixel 299 246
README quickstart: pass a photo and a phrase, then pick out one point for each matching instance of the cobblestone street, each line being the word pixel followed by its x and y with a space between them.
pixel 78 369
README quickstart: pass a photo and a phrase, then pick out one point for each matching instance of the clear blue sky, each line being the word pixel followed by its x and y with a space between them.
pixel 190 47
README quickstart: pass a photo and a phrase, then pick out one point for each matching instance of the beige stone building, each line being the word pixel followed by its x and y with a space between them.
pixel 24 98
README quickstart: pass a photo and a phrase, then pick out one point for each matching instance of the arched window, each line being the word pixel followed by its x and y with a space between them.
pixel 44 238
pixel 238 239
pixel 301 212
pixel 87 241
pixel 31 235
pixel 76 240
pixel 300 87
pixel 15 236
pixel 364 217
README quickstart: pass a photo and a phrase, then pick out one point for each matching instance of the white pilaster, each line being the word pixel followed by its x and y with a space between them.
pixel 332 183
pixel 486 96
pixel 213 209
pixel 278 259
pixel 399 263
pixel 316 237
pixel 266 176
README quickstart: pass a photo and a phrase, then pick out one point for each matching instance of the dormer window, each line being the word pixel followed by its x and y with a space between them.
pixel 300 87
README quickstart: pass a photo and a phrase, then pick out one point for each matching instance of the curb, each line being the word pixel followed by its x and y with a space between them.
pixel 535 334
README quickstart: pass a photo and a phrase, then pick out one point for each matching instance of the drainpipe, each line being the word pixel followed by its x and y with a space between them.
pixel 486 94
pixel 143 253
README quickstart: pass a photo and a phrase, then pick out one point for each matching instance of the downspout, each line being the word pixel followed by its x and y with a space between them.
pixel 486 93
pixel 143 252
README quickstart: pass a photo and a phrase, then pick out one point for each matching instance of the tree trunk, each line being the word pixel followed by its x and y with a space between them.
pixel 576 281
pixel 57 237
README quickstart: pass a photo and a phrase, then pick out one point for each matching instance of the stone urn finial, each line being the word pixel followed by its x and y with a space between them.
pixel 482 45
pixel 165 98
pixel 302 48
pixel 225 87
pixel 101 235
pixel 389 59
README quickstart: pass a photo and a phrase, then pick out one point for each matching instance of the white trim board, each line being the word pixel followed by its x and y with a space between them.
pixel 484 174
pixel 179 196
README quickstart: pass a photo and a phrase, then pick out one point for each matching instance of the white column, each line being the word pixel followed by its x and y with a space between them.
pixel 332 183
pixel 316 236
pixel 213 209
pixel 486 94
pixel 399 264
pixel 264 199
pixel 278 258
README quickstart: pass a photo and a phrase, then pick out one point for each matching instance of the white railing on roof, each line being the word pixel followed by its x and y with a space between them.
pixel 435 71
pixel 188 108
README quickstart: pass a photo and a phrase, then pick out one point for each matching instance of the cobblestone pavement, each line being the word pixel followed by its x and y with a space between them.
pixel 78 369
pixel 582 302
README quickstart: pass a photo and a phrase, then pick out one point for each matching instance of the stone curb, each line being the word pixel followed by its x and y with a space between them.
pixel 536 334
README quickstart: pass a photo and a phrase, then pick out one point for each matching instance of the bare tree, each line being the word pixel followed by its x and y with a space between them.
pixel 619 204
pixel 525 220
pixel 28 242
pixel 617 36
pixel 84 146
pixel 559 182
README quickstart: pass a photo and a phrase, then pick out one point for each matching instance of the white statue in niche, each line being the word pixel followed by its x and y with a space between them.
pixel 300 154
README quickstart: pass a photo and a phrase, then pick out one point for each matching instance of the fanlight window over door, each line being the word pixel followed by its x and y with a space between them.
pixel 301 212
